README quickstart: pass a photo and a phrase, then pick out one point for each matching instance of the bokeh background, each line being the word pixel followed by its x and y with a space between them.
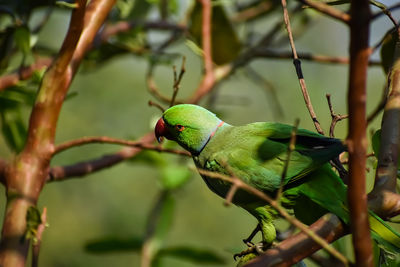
pixel 111 100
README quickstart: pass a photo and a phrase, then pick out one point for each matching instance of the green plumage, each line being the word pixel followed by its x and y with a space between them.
pixel 256 153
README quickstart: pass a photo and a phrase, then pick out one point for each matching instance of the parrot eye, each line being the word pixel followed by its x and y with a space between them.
pixel 179 127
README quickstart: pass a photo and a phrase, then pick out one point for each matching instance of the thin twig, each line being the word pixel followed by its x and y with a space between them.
pixel 154 104
pixel 38 239
pixel 275 204
pixel 328 10
pixel 268 53
pixel 177 80
pixel 297 64
pixel 290 149
pixel 335 117
pixel 116 141
pixel 208 80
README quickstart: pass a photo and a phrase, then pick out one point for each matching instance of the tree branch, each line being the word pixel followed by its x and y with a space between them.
pixel 208 80
pixel 24 73
pixel 383 197
pixel 59 173
pixel 299 72
pixel 300 245
pixel 328 10
pixel 26 175
pixel 111 140
pixel 275 204
pixel 356 140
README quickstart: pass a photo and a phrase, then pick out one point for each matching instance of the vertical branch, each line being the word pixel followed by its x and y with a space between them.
pixel 382 197
pixel 28 172
pixel 356 140
pixel 297 64
pixel 209 78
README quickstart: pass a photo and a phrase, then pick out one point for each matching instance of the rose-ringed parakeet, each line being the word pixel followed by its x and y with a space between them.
pixel 256 153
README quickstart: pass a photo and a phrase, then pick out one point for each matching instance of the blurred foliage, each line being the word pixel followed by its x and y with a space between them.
pixel 151 203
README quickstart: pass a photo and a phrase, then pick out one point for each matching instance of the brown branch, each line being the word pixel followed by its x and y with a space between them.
pixel 154 104
pixel 38 239
pixel 253 12
pixel 275 204
pixel 356 140
pixel 268 53
pixel 59 173
pixel 26 175
pixel 328 10
pixel 125 26
pixel 208 80
pixel 335 117
pixel 177 80
pixel 116 141
pixel 290 149
pixel 299 72
pixel 300 246
pixel 24 73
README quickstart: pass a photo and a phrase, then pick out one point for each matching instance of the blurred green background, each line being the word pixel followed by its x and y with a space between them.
pixel 112 101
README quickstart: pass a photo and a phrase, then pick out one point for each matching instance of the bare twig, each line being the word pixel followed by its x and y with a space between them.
pixel 275 204
pixel 356 140
pixel 299 72
pixel 110 140
pixel 24 73
pixel 291 148
pixel 253 12
pixel 268 53
pixel 154 104
pixel 177 80
pixel 38 239
pixel 335 117
pixel 208 80
pixel 328 10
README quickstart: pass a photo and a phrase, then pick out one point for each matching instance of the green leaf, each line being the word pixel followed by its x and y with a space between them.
pixel 114 244
pixel 225 43
pixel 387 49
pixel 174 176
pixel 376 142
pixel 195 255
pixel 13 129
pixel 22 38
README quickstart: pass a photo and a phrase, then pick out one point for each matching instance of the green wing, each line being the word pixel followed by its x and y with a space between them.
pixel 258 153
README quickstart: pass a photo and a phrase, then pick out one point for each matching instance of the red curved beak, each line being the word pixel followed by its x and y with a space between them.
pixel 160 130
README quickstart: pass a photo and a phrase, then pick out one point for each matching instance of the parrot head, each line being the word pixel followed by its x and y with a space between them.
pixel 191 126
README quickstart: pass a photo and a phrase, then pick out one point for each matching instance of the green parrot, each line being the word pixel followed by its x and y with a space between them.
pixel 256 153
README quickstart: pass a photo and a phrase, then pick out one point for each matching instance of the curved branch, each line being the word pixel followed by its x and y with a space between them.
pixel 24 73
pixel 328 10
pixel 60 173
pixel 300 246
pixel 116 141
pixel 208 80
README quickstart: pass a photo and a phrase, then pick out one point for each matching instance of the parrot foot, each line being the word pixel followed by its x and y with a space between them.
pixel 258 248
